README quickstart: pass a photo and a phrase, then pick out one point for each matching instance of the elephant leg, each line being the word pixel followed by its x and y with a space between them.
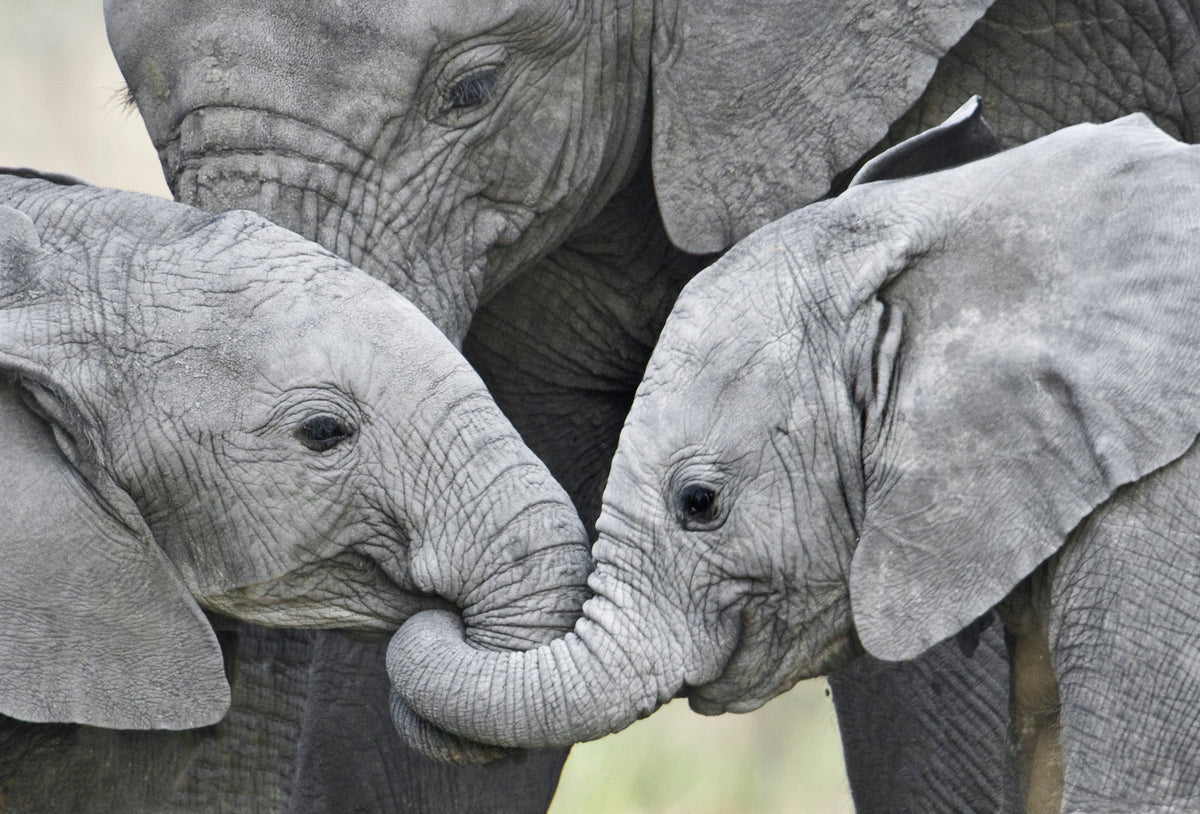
pixel 310 733
pixel 929 734
pixel 563 347
pixel 1123 634
pixel 73 769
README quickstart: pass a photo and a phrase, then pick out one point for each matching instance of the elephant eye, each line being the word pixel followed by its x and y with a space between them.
pixel 697 506
pixel 474 89
pixel 323 432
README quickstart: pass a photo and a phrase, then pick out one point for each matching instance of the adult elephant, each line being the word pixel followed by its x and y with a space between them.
pixel 516 168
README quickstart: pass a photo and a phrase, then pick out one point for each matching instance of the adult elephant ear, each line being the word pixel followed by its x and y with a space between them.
pixel 756 111
pixel 1043 345
pixel 95 625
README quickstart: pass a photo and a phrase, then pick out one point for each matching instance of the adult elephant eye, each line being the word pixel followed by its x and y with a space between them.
pixel 323 432
pixel 474 89
pixel 697 506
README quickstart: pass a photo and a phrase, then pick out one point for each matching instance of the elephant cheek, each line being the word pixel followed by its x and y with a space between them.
pixel 772 652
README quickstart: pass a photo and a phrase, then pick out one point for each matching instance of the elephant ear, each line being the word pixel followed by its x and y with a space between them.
pixel 754 114
pixel 1049 356
pixel 962 138
pixel 96 626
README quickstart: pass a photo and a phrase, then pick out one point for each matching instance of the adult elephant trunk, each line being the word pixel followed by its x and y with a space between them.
pixel 334 190
pixel 624 658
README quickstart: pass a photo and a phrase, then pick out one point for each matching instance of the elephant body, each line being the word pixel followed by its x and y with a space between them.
pixel 240 765
pixel 211 424
pixel 878 424
pixel 542 179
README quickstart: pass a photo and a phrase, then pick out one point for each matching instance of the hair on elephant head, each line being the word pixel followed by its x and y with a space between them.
pixel 879 415
pixel 210 412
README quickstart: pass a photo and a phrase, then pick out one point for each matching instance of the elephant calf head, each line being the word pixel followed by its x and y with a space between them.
pixel 875 416
pixel 212 412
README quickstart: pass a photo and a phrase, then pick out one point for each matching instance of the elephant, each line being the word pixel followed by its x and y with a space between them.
pixel 877 425
pixel 207 419
pixel 542 179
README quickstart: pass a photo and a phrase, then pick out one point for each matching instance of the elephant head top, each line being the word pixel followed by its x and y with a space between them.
pixel 431 140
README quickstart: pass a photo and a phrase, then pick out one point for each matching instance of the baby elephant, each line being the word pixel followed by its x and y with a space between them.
pixel 880 418
pixel 210 412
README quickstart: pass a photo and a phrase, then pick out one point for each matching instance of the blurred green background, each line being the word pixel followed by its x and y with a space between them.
pixel 60 93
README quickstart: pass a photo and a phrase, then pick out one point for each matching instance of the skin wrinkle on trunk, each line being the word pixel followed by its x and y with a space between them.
pixel 430 662
pixel 529 547
pixel 249 171
pixel 447 661
pixel 320 185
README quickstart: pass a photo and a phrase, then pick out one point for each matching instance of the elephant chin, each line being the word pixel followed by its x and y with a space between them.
pixel 746 682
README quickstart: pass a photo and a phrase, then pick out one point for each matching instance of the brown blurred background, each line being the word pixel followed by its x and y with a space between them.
pixel 60 91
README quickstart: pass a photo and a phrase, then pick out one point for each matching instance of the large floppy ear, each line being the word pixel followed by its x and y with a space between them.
pixel 755 112
pixel 1049 355
pixel 95 625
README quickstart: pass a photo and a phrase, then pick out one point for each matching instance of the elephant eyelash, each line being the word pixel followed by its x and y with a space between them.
pixel 123 97
pixel 473 90
pixel 323 432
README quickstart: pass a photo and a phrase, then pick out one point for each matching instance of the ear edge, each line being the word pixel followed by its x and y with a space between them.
pixel 964 137
pixel 76 648
pixel 717 178
pixel 1097 393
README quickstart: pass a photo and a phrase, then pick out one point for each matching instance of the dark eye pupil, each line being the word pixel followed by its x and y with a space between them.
pixel 473 90
pixel 322 432
pixel 698 502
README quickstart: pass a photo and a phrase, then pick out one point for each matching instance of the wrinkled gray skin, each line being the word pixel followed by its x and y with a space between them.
pixel 515 168
pixel 210 415
pixel 879 418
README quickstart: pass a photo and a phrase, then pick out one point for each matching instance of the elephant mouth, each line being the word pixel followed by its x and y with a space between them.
pixel 748 681
pixel 350 591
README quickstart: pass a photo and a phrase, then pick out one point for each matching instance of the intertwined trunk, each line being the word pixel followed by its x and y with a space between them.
pixel 621 662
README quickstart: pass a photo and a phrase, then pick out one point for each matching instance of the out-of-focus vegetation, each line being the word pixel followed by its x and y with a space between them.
pixel 62 112
pixel 785 758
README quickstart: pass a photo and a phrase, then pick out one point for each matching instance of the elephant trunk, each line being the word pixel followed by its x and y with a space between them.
pixel 327 189
pixel 617 665
pixel 489 529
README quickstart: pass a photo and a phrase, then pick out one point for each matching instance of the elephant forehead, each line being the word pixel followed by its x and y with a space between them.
pixel 250 54
pixel 720 343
